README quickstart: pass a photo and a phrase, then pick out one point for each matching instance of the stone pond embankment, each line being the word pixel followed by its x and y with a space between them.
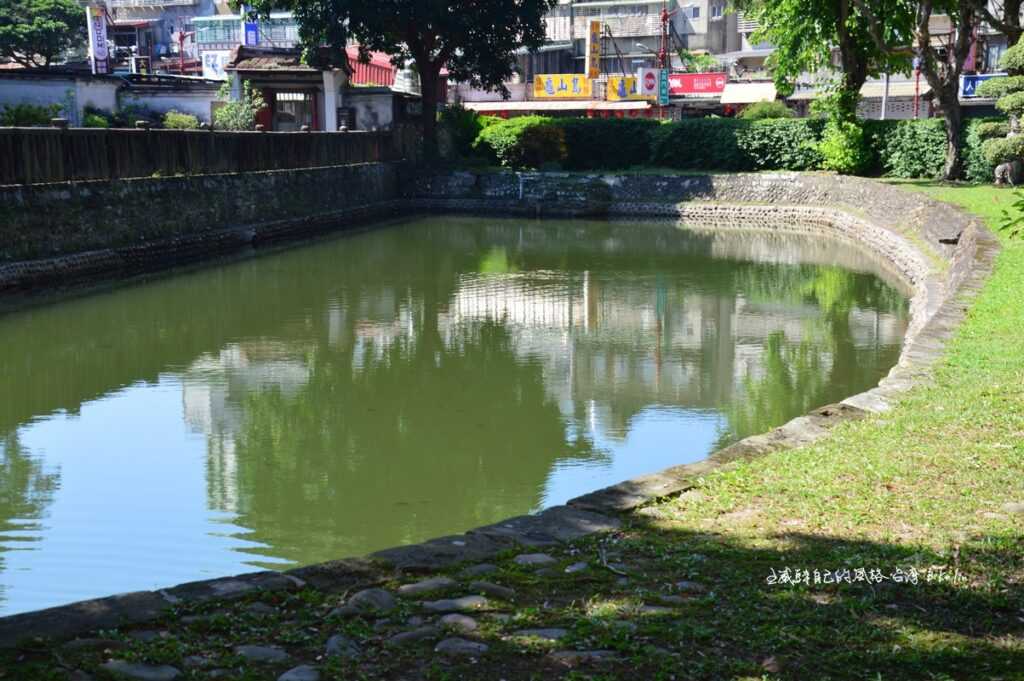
pixel 942 255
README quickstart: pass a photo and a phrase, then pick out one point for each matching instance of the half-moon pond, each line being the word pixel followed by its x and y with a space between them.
pixel 402 383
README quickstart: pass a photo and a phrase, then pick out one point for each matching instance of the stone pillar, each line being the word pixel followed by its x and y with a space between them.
pixel 333 80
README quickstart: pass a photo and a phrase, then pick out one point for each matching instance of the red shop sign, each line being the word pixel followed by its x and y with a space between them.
pixel 696 83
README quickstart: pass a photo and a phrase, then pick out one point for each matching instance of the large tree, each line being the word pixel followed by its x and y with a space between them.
pixel 475 40
pixel 940 53
pixel 39 32
pixel 807 33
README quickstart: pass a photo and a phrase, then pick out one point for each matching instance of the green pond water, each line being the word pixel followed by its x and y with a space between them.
pixel 394 385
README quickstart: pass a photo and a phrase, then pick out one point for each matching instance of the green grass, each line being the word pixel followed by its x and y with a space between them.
pixel 919 488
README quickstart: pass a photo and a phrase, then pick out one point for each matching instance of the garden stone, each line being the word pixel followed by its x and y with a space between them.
pixel 503 593
pixel 261 654
pixel 146 636
pixel 656 610
pixel 552 634
pixel 342 646
pixel 1014 507
pixel 577 567
pixel 459 623
pixel 691 587
pixel 533 559
pixel 196 662
pixel 460 647
pixel 367 601
pixel 426 586
pixel 464 604
pixel 415 621
pixel 478 570
pixel 672 600
pixel 414 636
pixel 120 669
pixel 260 609
pixel 573 658
pixel 305 672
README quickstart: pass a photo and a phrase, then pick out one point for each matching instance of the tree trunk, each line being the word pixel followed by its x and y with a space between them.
pixel 429 78
pixel 954 166
pixel 855 71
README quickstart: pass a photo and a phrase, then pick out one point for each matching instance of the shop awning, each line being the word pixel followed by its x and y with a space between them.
pixel 872 90
pixel 748 93
pixel 541 105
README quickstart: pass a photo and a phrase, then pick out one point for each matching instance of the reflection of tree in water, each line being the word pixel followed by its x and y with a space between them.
pixel 827 363
pixel 25 491
pixel 350 440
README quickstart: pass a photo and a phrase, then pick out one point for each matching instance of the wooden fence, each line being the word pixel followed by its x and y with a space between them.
pixel 38 155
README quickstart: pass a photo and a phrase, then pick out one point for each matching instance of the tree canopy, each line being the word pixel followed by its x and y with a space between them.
pixel 39 32
pixel 807 33
pixel 475 40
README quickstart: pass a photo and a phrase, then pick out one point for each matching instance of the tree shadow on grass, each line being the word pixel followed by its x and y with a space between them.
pixel 962 619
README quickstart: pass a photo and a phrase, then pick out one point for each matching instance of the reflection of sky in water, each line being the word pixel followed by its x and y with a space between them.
pixel 657 438
pixel 398 385
pixel 161 478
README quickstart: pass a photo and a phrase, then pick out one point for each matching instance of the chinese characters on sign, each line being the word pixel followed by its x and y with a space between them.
pixel 621 88
pixel 98 51
pixel 911 575
pixel 561 86
pixel 594 50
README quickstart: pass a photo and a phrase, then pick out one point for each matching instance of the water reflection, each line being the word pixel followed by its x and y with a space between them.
pixel 404 383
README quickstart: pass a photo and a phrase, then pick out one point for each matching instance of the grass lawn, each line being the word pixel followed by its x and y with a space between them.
pixel 926 488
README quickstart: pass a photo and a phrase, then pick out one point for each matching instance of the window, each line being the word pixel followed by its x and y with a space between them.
pixel 695 12
pixel 717 11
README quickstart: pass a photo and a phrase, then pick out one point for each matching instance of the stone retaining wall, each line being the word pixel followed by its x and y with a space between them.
pixel 60 233
pixel 941 253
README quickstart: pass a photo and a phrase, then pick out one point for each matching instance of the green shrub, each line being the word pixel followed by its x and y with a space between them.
pixel 95 120
pixel 700 144
pixel 1003 149
pixel 175 120
pixel 988 129
pixel 760 111
pixel 1012 104
pixel 844 148
pixel 464 125
pixel 782 144
pixel 128 115
pixel 240 115
pixel 606 143
pixel 977 167
pixel 523 142
pixel 729 144
pixel 907 149
pixel 999 86
pixel 28 115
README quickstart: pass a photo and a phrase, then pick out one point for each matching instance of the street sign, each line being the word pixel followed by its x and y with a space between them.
pixel 648 81
pixel 594 50
pixel 697 83
pixel 663 90
pixel 969 84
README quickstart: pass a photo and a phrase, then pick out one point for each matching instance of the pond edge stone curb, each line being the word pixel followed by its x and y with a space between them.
pixel 941 254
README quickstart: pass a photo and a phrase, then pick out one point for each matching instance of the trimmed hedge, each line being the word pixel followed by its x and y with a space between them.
pixel 606 144
pixel 524 142
pixel 905 149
